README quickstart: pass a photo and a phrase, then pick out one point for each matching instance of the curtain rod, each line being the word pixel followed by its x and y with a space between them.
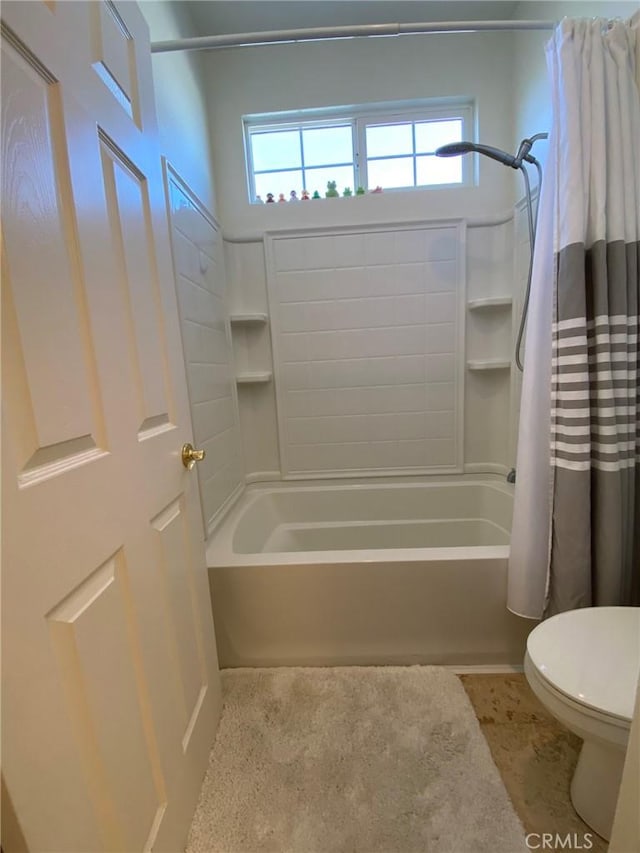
pixel 348 32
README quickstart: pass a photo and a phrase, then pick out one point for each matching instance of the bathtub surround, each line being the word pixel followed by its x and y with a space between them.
pixel 368 334
pixel 586 514
pixel 363 759
pixel 275 78
pixel 201 287
pixel 492 256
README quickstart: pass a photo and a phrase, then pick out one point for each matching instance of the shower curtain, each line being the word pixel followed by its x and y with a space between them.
pixel 576 527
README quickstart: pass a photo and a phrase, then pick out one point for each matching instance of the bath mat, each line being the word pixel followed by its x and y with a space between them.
pixel 351 759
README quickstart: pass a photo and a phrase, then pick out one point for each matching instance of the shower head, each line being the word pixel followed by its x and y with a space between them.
pixel 454 149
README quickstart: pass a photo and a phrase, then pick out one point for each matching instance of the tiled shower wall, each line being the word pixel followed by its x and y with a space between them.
pixel 201 284
pixel 367 331
pixel 347 403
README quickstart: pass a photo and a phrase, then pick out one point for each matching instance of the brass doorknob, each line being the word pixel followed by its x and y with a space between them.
pixel 190 456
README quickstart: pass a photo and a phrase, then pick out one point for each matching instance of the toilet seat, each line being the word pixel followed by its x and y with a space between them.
pixel 591 657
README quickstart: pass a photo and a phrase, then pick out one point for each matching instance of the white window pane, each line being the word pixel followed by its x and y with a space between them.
pixel 390 173
pixel 432 134
pixel 316 179
pixel 388 139
pixel 327 145
pixel 439 170
pixel 278 149
pixel 278 182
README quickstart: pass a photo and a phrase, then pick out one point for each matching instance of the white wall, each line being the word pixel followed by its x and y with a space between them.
pixel 179 83
pixel 625 835
pixel 295 76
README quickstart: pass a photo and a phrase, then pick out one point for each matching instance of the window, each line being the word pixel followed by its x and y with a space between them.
pixel 386 148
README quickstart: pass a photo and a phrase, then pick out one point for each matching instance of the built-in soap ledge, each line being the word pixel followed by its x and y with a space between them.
pixel 488 302
pixel 488 364
pixel 253 377
pixel 248 319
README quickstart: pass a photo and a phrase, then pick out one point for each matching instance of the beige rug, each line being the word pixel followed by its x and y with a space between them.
pixel 351 759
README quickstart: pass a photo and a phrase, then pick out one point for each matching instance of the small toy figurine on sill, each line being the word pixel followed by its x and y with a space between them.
pixel 293 196
pixel 347 192
pixel 377 190
pixel 305 195
pixel 270 198
pixel 360 191
pixel 316 194
pixel 331 192
pixel 281 199
pixel 259 200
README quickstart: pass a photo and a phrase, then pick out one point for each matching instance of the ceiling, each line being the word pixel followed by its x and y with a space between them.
pixel 212 17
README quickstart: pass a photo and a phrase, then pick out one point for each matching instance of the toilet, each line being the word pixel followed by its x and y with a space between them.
pixel 583 665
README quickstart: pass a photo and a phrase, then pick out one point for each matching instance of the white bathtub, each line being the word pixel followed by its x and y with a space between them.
pixel 362 573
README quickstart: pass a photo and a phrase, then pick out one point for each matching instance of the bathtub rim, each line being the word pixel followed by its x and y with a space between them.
pixel 219 546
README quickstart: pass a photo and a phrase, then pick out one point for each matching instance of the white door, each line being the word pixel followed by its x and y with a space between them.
pixel 110 684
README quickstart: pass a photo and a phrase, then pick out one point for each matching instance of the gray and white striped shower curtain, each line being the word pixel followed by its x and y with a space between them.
pixel 576 532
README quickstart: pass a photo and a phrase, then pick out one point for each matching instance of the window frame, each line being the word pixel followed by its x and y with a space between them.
pixel 300 125
pixel 429 114
pixel 360 118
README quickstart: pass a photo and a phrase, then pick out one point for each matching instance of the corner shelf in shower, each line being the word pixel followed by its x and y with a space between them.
pixel 255 319
pixel 489 302
pixel 488 364
pixel 250 345
pixel 254 377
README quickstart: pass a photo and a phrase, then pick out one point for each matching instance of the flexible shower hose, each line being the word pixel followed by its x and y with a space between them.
pixel 532 242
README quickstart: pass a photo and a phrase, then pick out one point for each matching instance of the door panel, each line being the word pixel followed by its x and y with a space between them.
pixel 113 55
pixel 56 357
pixel 111 690
pixel 128 211
pixel 94 636
pixel 171 540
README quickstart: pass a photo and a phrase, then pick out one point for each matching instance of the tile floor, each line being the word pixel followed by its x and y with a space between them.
pixel 533 752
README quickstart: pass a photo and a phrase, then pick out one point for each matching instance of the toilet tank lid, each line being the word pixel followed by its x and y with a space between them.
pixel 592 655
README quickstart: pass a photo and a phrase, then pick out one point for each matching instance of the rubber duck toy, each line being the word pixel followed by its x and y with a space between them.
pixel 270 198
pixel 293 196
pixel 281 199
pixel 305 195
